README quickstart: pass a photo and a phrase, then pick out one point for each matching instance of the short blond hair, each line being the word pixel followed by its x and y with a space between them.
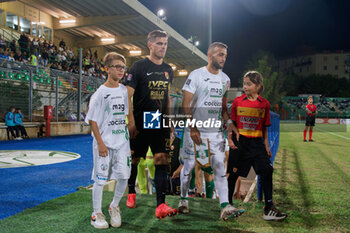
pixel 111 56
pixel 156 33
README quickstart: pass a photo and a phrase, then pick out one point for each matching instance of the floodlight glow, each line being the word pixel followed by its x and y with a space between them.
pixel 135 52
pixel 161 13
pixel 107 39
pixel 183 72
pixel 196 43
pixel 173 67
pixel 67 21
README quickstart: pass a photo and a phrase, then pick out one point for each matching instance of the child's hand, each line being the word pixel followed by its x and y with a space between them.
pixel 102 150
pixel 231 144
pixel 176 174
pixel 237 195
pixel 198 183
pixel 268 151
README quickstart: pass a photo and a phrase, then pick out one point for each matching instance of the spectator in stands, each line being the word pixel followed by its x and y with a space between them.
pixel 62 43
pixel 24 56
pixel 23 42
pixel 44 57
pixel 33 60
pixel 5 55
pixel 45 44
pixel 2 43
pixel 35 46
pixel 19 123
pixel 12 56
pixel 10 123
pixel 311 111
pixel 13 46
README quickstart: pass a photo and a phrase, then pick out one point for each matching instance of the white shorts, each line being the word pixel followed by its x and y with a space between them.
pixel 227 148
pixel 115 166
pixel 216 144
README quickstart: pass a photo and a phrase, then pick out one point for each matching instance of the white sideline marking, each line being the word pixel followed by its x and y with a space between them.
pixel 341 136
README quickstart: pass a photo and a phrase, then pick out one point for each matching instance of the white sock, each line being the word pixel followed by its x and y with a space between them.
pixel 186 175
pixel 119 191
pixel 97 191
pixel 220 180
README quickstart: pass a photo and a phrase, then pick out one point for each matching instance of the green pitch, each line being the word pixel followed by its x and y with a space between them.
pixel 311 182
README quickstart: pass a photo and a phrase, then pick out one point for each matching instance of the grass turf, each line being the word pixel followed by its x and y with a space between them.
pixel 311 183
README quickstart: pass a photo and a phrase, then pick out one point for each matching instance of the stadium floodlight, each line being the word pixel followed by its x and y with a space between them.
pixel 67 21
pixel 183 72
pixel 135 52
pixel 107 39
pixel 173 67
pixel 196 43
pixel 161 14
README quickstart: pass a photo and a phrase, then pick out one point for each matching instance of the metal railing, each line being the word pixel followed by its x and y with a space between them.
pixel 31 87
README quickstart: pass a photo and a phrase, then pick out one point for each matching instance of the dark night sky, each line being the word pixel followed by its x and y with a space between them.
pixel 246 26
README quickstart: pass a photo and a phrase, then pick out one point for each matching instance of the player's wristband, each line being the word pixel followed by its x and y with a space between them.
pixel 229 122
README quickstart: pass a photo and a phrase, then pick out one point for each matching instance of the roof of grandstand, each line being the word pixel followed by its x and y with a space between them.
pixel 128 22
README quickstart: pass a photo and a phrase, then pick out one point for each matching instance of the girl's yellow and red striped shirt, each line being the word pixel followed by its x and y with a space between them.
pixel 251 116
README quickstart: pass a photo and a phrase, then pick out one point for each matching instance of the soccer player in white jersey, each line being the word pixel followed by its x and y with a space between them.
pixel 111 149
pixel 204 97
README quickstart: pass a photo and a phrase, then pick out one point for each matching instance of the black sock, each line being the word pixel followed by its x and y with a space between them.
pixel 231 181
pixel 267 188
pixel 160 180
pixel 132 179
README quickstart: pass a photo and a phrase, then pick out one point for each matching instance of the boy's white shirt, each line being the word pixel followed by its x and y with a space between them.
pixel 108 108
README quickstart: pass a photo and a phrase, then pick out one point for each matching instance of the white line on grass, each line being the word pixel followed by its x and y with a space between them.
pixel 335 134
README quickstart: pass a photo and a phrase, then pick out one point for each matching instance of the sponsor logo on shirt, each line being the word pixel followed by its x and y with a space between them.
pixel 129 77
pixel 116 122
pixel 250 120
pixel 106 96
pixel 118 131
pixel 151 120
pixel 188 82
pixel 158 84
pixel 120 107
pixel 214 104
pixel 166 75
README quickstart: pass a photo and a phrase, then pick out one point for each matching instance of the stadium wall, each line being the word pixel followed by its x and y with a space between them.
pixel 34 129
pixel 28 12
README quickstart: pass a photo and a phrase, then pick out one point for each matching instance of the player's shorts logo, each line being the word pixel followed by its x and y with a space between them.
pixel 104 167
pixel 151 120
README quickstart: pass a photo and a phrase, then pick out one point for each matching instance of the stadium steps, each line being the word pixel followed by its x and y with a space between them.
pixel 335 107
pixel 65 84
